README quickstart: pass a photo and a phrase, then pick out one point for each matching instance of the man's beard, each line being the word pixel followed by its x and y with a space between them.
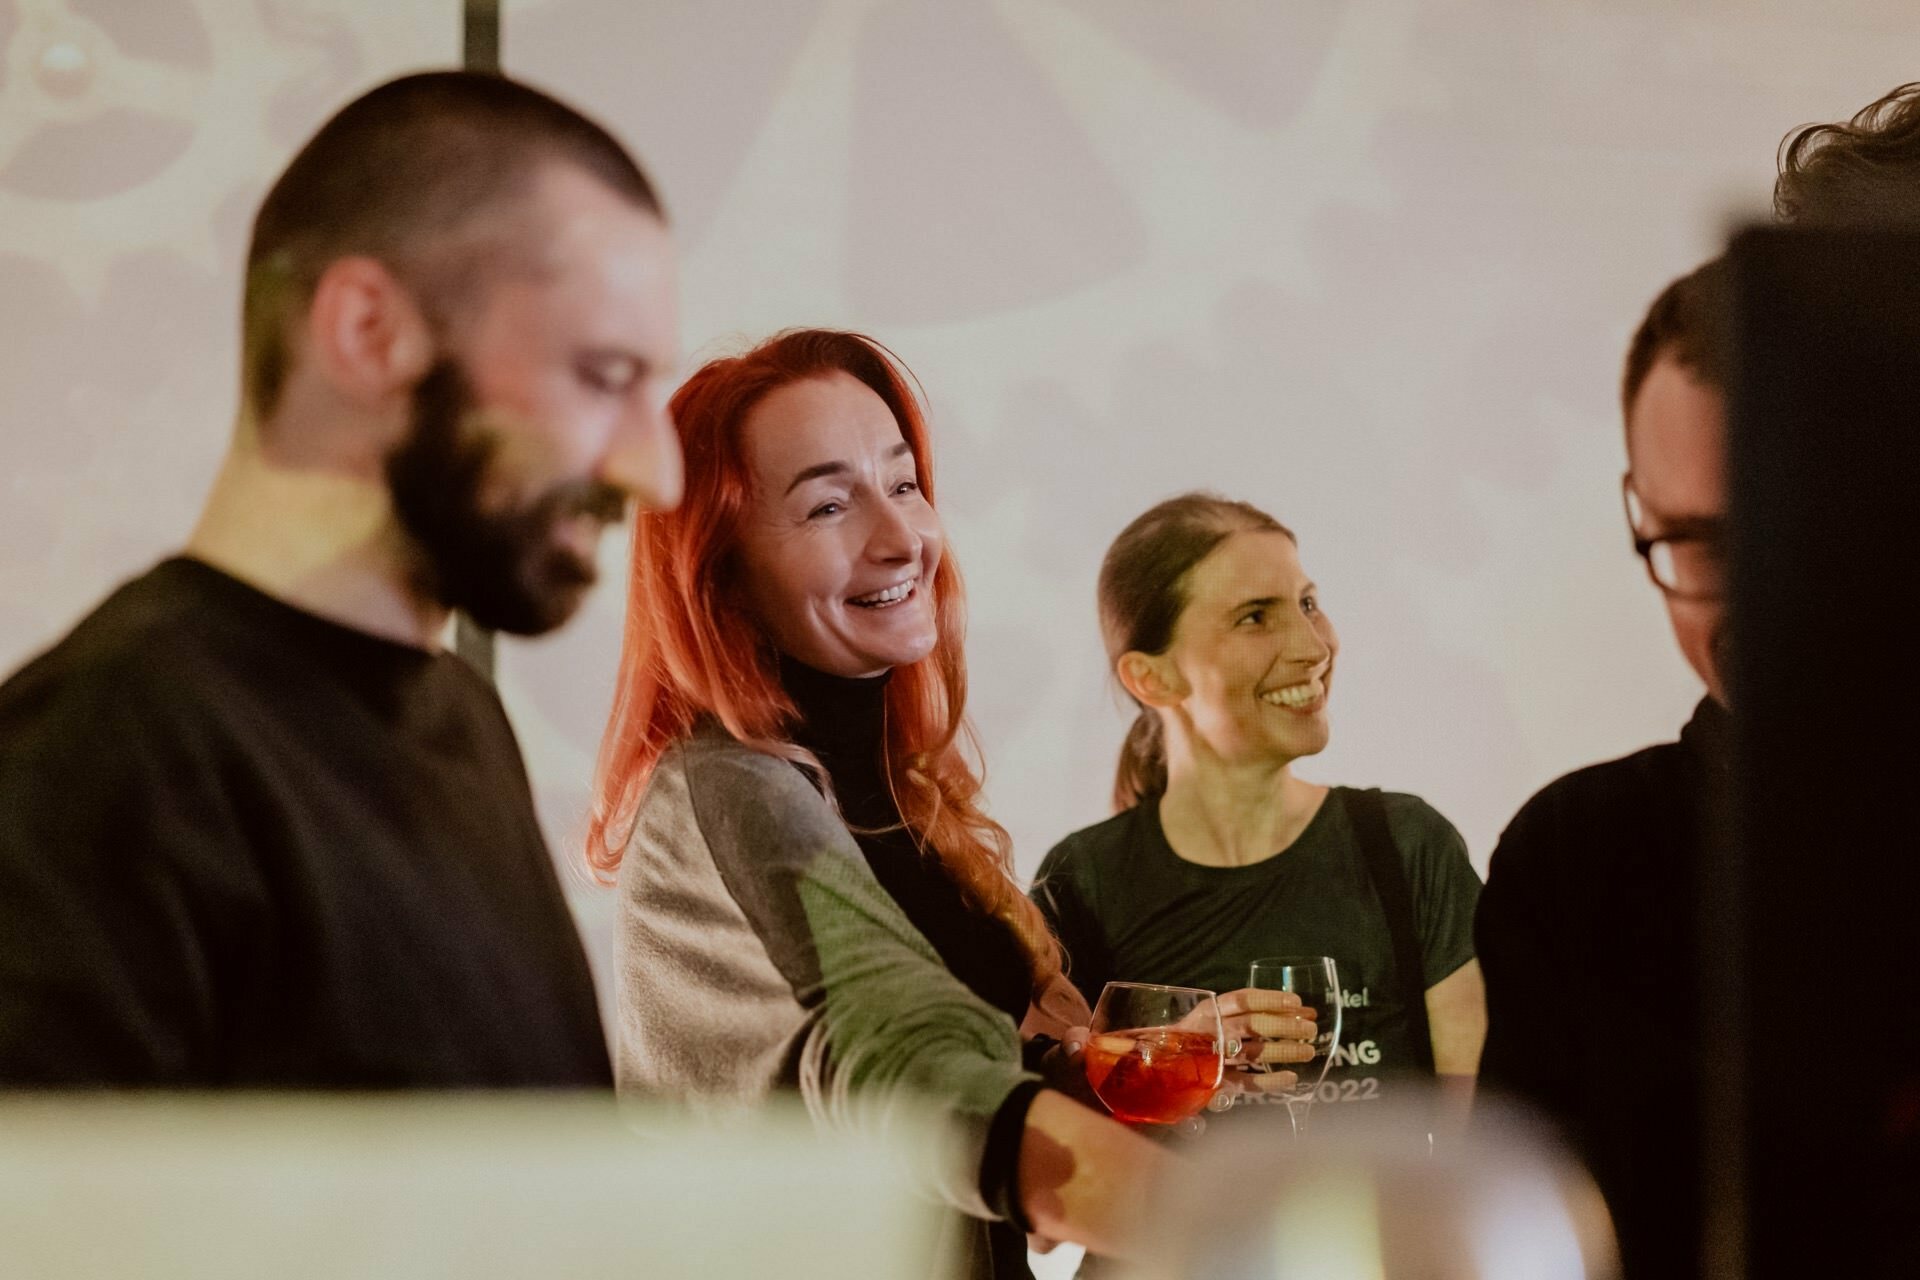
pixel 504 569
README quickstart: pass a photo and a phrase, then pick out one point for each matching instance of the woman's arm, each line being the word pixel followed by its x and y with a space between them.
pixel 1457 1014
pixel 888 1030
pixel 1086 1178
pixel 1446 889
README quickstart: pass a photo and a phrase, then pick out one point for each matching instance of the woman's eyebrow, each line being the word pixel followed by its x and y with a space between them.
pixel 817 471
pixel 821 469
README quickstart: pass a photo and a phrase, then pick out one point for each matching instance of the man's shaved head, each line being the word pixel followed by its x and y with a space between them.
pixel 415 174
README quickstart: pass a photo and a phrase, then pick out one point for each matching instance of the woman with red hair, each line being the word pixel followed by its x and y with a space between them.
pixel 810 893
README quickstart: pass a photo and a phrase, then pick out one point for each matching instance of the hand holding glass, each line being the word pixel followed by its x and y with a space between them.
pixel 1316 980
pixel 1155 1053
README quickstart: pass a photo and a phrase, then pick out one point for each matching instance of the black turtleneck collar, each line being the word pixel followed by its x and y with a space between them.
pixel 843 722
pixel 835 708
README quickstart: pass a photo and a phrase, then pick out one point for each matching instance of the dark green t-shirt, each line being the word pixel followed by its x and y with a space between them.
pixel 1127 908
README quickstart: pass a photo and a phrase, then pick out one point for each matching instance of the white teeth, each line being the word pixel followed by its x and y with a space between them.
pixel 892 595
pixel 1298 695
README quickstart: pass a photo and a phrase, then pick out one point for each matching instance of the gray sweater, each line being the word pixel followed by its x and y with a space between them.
pixel 755 951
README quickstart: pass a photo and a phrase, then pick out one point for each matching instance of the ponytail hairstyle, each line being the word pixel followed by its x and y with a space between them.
pixel 694 649
pixel 1143 591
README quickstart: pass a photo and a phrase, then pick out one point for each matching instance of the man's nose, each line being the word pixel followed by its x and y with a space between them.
pixel 645 460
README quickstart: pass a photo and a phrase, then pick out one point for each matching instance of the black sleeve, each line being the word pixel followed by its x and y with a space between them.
pixel 1061 899
pixel 1444 885
pixel 107 826
pixel 1528 1038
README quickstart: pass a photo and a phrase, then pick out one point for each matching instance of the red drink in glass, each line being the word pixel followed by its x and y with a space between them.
pixel 1156 1075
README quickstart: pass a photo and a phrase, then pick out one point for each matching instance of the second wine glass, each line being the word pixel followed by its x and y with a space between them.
pixel 1316 980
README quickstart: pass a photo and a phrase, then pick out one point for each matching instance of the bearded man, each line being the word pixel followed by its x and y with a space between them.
pixel 258 828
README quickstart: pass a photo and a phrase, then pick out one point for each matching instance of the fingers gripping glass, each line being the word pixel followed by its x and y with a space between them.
pixel 1688 562
pixel 1316 980
pixel 1155 1053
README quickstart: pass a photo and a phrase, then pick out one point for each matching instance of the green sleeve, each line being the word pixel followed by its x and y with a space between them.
pixel 889 1030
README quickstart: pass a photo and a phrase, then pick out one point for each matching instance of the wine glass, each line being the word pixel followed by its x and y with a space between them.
pixel 1154 1056
pixel 1316 980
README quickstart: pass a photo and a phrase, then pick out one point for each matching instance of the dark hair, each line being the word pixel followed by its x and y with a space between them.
pixel 1144 590
pixel 391 175
pixel 1863 170
pixel 1687 322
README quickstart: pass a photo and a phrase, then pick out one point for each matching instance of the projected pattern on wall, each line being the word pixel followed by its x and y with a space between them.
pixel 1370 264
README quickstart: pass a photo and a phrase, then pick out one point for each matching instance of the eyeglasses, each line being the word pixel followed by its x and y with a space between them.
pixel 1689 563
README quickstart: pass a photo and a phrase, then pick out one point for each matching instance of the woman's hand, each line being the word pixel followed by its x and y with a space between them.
pixel 1264 1030
pixel 1060 1013
pixel 1063 1069
pixel 1058 1009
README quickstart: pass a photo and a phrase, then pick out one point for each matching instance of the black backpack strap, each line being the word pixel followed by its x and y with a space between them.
pixel 1368 813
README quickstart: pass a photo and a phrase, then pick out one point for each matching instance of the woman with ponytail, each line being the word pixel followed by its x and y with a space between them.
pixel 1218 853
pixel 810 894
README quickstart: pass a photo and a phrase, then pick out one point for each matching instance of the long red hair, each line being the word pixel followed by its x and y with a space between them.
pixel 692 648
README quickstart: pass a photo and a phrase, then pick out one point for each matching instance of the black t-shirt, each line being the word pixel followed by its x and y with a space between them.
pixel 1588 939
pixel 244 846
pixel 1128 908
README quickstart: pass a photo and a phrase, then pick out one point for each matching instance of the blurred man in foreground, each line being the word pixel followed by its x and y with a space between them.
pixel 257 828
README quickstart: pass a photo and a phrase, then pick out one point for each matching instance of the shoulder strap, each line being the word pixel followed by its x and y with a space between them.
pixel 1389 875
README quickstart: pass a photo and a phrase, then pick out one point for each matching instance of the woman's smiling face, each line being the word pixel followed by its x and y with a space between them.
pixel 1252 653
pixel 838 546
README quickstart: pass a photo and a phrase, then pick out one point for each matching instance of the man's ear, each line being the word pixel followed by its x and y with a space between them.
pixel 366 333
pixel 1152 679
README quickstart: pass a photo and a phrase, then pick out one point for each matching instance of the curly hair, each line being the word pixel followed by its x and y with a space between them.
pixel 1863 170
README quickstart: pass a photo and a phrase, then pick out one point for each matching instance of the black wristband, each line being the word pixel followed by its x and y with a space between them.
pixel 1035 1049
pixel 1000 1160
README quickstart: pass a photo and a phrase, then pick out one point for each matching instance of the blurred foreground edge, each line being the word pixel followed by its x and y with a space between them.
pixel 1378 1194
pixel 299 1188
